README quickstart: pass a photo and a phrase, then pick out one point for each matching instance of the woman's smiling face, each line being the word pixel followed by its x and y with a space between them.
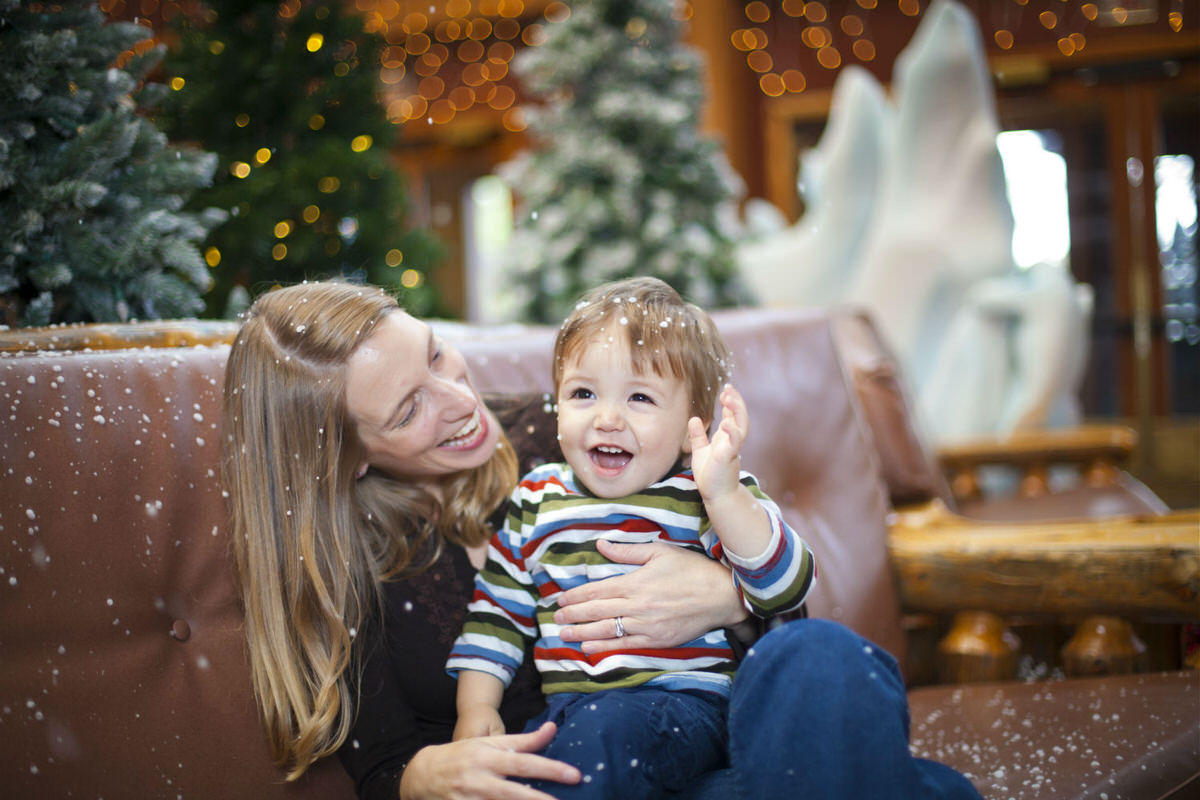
pixel 620 430
pixel 418 416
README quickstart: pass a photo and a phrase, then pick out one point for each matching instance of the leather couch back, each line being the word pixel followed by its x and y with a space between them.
pixel 123 664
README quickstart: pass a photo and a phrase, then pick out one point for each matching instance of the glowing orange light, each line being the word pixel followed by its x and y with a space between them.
pixel 414 22
pixel 310 214
pixel 279 251
pixel 511 8
pixel 793 80
pixel 431 87
pixel 815 12
pixel 212 256
pixel 909 8
pixel 447 30
pixel 410 279
pixel 462 97
pixel 1048 19
pixel 495 70
pixel 416 44
pixel 863 49
pixel 829 57
pixel 239 169
pixel 480 28
pixel 852 25
pixel 1004 39
pixel 503 98
pixel 771 85
pixel 757 11
pixel 441 112
pixel 469 51
pixel 472 74
pixel 793 8
pixel 760 61
pixel 394 257
pixel 501 51
pixel 816 36
pixel 513 120
pixel 533 35
pixel 1090 10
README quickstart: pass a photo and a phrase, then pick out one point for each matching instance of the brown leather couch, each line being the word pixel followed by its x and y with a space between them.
pixel 122 664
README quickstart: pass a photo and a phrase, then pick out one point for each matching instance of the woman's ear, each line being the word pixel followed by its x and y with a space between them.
pixel 362 469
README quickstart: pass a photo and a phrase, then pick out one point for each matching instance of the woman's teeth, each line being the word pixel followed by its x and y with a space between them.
pixel 465 432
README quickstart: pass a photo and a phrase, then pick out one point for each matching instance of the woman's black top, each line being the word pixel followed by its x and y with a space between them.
pixel 407 700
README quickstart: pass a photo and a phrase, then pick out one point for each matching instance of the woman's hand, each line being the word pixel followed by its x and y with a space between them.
pixel 674 596
pixel 480 768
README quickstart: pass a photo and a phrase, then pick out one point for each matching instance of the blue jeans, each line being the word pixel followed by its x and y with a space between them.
pixel 642 742
pixel 818 712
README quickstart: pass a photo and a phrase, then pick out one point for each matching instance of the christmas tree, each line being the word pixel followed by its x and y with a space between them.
pixel 287 94
pixel 622 183
pixel 91 226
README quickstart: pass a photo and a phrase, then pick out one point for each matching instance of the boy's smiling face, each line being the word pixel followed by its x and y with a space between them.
pixel 619 430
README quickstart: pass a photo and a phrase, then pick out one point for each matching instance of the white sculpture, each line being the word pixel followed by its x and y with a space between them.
pixel 909 218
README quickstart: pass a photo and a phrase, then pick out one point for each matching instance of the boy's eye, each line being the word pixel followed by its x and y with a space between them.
pixel 581 394
pixel 640 397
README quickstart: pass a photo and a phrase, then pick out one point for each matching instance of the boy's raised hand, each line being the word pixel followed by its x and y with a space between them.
pixel 716 464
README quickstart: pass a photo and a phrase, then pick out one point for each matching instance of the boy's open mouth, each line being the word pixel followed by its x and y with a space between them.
pixel 609 457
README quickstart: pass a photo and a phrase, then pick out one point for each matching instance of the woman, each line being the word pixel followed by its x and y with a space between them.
pixel 362 467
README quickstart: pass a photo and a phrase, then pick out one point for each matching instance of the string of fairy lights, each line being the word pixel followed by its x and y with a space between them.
pixel 448 58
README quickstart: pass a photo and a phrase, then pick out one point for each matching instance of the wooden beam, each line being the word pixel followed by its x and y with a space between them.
pixel 1145 568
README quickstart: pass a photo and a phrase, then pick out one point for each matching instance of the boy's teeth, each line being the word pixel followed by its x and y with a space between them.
pixel 604 449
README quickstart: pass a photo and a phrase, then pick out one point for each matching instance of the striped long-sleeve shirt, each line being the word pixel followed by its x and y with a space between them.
pixel 548 545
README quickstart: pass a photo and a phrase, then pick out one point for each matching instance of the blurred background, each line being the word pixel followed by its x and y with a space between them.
pixel 488 159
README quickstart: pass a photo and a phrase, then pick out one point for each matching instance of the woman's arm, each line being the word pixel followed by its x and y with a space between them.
pixel 675 596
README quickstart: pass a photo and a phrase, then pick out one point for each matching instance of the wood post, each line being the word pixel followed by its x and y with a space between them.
pixel 979 647
pixel 1103 645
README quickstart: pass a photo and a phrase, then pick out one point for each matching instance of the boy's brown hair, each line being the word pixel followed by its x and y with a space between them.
pixel 664 334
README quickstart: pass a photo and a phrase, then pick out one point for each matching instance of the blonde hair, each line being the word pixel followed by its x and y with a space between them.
pixel 663 333
pixel 312 542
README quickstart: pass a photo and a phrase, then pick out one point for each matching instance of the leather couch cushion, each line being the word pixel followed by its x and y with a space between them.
pixel 1131 736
